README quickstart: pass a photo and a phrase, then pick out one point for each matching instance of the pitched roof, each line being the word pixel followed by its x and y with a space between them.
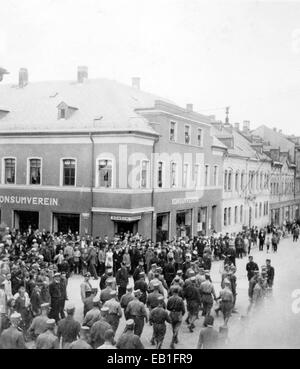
pixel 102 104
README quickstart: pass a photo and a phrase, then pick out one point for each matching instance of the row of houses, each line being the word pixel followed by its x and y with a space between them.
pixel 99 157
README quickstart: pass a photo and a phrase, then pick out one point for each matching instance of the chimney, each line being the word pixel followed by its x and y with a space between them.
pixel 23 77
pixel 82 73
pixel 189 107
pixel 136 82
pixel 246 125
pixel 237 126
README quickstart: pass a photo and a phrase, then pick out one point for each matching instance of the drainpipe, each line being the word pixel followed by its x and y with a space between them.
pixel 92 180
pixel 152 193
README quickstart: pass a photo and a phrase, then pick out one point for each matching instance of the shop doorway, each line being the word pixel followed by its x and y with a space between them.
pixel 23 220
pixel 162 227
pixel 184 223
pixel 66 223
pixel 125 227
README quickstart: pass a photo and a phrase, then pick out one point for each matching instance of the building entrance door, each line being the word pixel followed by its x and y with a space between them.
pixel 23 220
pixel 66 222
pixel 125 227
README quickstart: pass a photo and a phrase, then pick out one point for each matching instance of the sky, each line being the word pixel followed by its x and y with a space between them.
pixel 213 54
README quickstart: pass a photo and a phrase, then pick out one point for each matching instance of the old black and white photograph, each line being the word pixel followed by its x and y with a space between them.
pixel 149 176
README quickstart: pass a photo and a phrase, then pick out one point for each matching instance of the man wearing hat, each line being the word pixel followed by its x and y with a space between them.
pixel 125 299
pixel 82 342
pixel 141 285
pixel 12 337
pixel 129 340
pixel 152 299
pixel 94 314
pixel 208 337
pixel 108 274
pixel 175 285
pixel 88 302
pixel 99 328
pixel 85 286
pixel 158 318
pixel 105 294
pixel 114 311
pixel 122 279
pixel 169 271
pixel 154 281
pixel 68 328
pixel 208 295
pixel 39 323
pixel 136 310
pixel 180 280
pixel 176 307
pixel 55 293
pixel 138 270
pixel 48 340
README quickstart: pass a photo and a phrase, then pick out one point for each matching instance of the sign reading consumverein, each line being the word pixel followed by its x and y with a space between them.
pixel 28 200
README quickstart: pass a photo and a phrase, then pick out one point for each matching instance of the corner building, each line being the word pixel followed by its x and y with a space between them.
pixel 99 157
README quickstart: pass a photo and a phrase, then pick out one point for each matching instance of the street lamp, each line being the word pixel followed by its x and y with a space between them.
pixel 2 72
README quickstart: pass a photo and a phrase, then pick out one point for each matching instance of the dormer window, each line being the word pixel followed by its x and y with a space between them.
pixel 65 111
pixel 62 114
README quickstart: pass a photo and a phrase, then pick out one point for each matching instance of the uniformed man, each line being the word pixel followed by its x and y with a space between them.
pixel 114 311
pixel 122 279
pixel 110 342
pixel 152 298
pixel 175 285
pixel 140 268
pixel 85 286
pixel 92 315
pixel 63 294
pixel 105 294
pixel 136 310
pixel 68 328
pixel 82 342
pixel 141 285
pixel 176 307
pixel 12 337
pixel 108 274
pixel 48 340
pixel 154 281
pixel 270 273
pixel 192 296
pixel 39 323
pixel 152 272
pixel 227 301
pixel 125 299
pixel 158 318
pixel 169 271
pixel 99 328
pixel 208 295
pixel 55 293
pixel 208 337
pixel 88 302
pixel 129 340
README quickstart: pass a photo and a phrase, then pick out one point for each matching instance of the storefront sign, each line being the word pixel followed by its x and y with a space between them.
pixel 85 215
pixel 125 219
pixel 188 200
pixel 27 200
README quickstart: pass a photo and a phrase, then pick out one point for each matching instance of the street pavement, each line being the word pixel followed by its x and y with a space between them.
pixel 275 326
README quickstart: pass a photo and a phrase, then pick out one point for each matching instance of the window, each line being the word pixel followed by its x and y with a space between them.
pixel 225 180
pixel 206 183
pixel 241 213
pixel 242 181
pixel 236 181
pixel 229 181
pixel 229 216
pixel 105 173
pixel 199 137
pixel 35 171
pixel 160 174
pixel 145 174
pixel 261 181
pixel 197 175
pixel 62 113
pixel 68 172
pixel 260 209
pixel 235 215
pixel 173 179
pixel 10 171
pixel 187 134
pixel 186 174
pixel 215 175
pixel 256 208
pixel 173 131
pixel 225 217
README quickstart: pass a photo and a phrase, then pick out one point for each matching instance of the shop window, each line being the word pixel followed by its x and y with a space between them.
pixel 184 223
pixel 35 171
pixel 10 171
pixel 105 173
pixel 69 172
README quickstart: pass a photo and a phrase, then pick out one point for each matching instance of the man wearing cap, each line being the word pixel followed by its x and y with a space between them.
pixel 129 340
pixel 180 280
pixel 151 272
pixel 136 310
pixel 109 343
pixel 208 337
pixel 105 294
pixel 99 328
pixel 85 286
pixel 93 314
pixel 208 295
pixel 88 302
pixel 122 279
pixel 114 311
pixel 82 342
pixel 175 285
pixel 138 270
pixel 12 337
pixel 39 323
pixel 141 285
pixel 125 299
pixel 63 294
pixel 55 293
pixel 192 296
pixel 176 307
pixel 48 340
pixel 158 318
pixel 68 328
pixel 108 274
pixel 227 301
pixel 152 299
pixel 251 267
pixel 154 281
pixel 169 271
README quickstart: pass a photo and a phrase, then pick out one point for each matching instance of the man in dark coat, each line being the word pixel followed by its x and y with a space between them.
pixel 158 318
pixel 176 307
pixel 55 293
pixel 129 340
pixel 122 280
pixel 169 271
pixel 68 329
pixel 251 267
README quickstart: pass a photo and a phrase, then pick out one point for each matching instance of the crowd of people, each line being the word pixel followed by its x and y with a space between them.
pixel 143 281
